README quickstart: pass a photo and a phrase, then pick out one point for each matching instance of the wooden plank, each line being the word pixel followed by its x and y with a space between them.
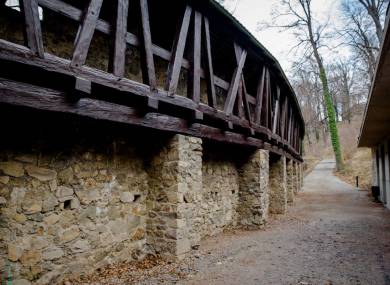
pixel 178 52
pixel 232 93
pixel 85 32
pixel 260 97
pixel 212 98
pixel 118 55
pixel 276 112
pixel 21 94
pixel 266 100
pixel 148 68
pixel 283 118
pixel 194 78
pixel 33 32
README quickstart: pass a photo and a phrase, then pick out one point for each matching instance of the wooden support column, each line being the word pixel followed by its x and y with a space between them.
pixel 33 32
pixel 85 33
pixel 177 54
pixel 118 54
pixel 276 112
pixel 194 78
pixel 259 97
pixel 148 68
pixel 212 98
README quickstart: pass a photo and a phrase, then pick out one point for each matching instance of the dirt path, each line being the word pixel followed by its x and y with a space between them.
pixel 333 234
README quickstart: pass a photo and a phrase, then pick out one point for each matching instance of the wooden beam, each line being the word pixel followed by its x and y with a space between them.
pixel 232 93
pixel 148 67
pixel 194 78
pixel 118 55
pixel 33 32
pixel 210 77
pixel 259 97
pixel 85 32
pixel 276 112
pixel 177 54
pixel 283 118
pixel 266 100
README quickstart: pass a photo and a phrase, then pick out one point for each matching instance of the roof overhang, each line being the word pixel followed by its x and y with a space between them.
pixel 376 123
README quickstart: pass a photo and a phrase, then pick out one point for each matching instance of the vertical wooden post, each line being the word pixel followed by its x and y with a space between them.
pixel 212 98
pixel 276 111
pixel 118 55
pixel 148 68
pixel 194 78
pixel 33 32
pixel 259 97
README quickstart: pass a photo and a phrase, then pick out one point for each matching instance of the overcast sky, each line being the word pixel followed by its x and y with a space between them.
pixel 250 12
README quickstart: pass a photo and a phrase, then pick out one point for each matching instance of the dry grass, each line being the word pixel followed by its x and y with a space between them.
pixel 358 165
pixel 357 161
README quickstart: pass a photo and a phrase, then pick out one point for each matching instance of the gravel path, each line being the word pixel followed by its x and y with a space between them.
pixel 332 234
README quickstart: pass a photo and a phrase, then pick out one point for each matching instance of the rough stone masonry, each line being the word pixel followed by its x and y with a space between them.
pixel 77 194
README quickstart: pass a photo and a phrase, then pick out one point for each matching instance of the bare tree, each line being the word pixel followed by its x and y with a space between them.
pixel 376 8
pixel 363 29
pixel 310 35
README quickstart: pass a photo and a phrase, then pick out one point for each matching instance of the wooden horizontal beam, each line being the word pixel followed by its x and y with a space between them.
pixel 22 94
pixel 120 87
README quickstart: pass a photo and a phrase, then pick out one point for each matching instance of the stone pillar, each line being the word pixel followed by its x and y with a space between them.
pixel 297 182
pixel 301 174
pixel 175 184
pixel 253 190
pixel 277 185
pixel 290 180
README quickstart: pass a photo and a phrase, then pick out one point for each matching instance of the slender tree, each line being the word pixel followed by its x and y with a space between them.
pixel 310 35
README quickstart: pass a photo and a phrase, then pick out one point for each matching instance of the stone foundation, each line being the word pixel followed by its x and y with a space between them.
pixel 290 181
pixel 77 194
pixel 277 185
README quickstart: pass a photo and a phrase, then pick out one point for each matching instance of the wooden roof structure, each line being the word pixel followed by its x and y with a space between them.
pixel 201 72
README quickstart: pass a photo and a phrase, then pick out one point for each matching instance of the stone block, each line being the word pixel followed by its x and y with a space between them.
pixel 63 192
pixel 14 252
pixel 68 234
pixel 12 168
pixel 4 179
pixel 53 253
pixel 42 174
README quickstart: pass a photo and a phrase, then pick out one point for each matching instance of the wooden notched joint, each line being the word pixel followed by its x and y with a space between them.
pixel 153 103
pixel 83 85
pixel 198 115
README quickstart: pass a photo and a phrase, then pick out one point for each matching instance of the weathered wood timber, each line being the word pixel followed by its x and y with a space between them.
pixel 212 108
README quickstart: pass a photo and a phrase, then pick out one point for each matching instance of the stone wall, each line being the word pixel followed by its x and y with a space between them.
pixel 277 181
pixel 218 209
pixel 69 196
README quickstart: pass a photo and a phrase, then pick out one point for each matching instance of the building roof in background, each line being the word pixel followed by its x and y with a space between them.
pixel 376 123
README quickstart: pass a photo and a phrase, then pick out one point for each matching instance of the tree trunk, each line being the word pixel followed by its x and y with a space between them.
pixel 334 134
